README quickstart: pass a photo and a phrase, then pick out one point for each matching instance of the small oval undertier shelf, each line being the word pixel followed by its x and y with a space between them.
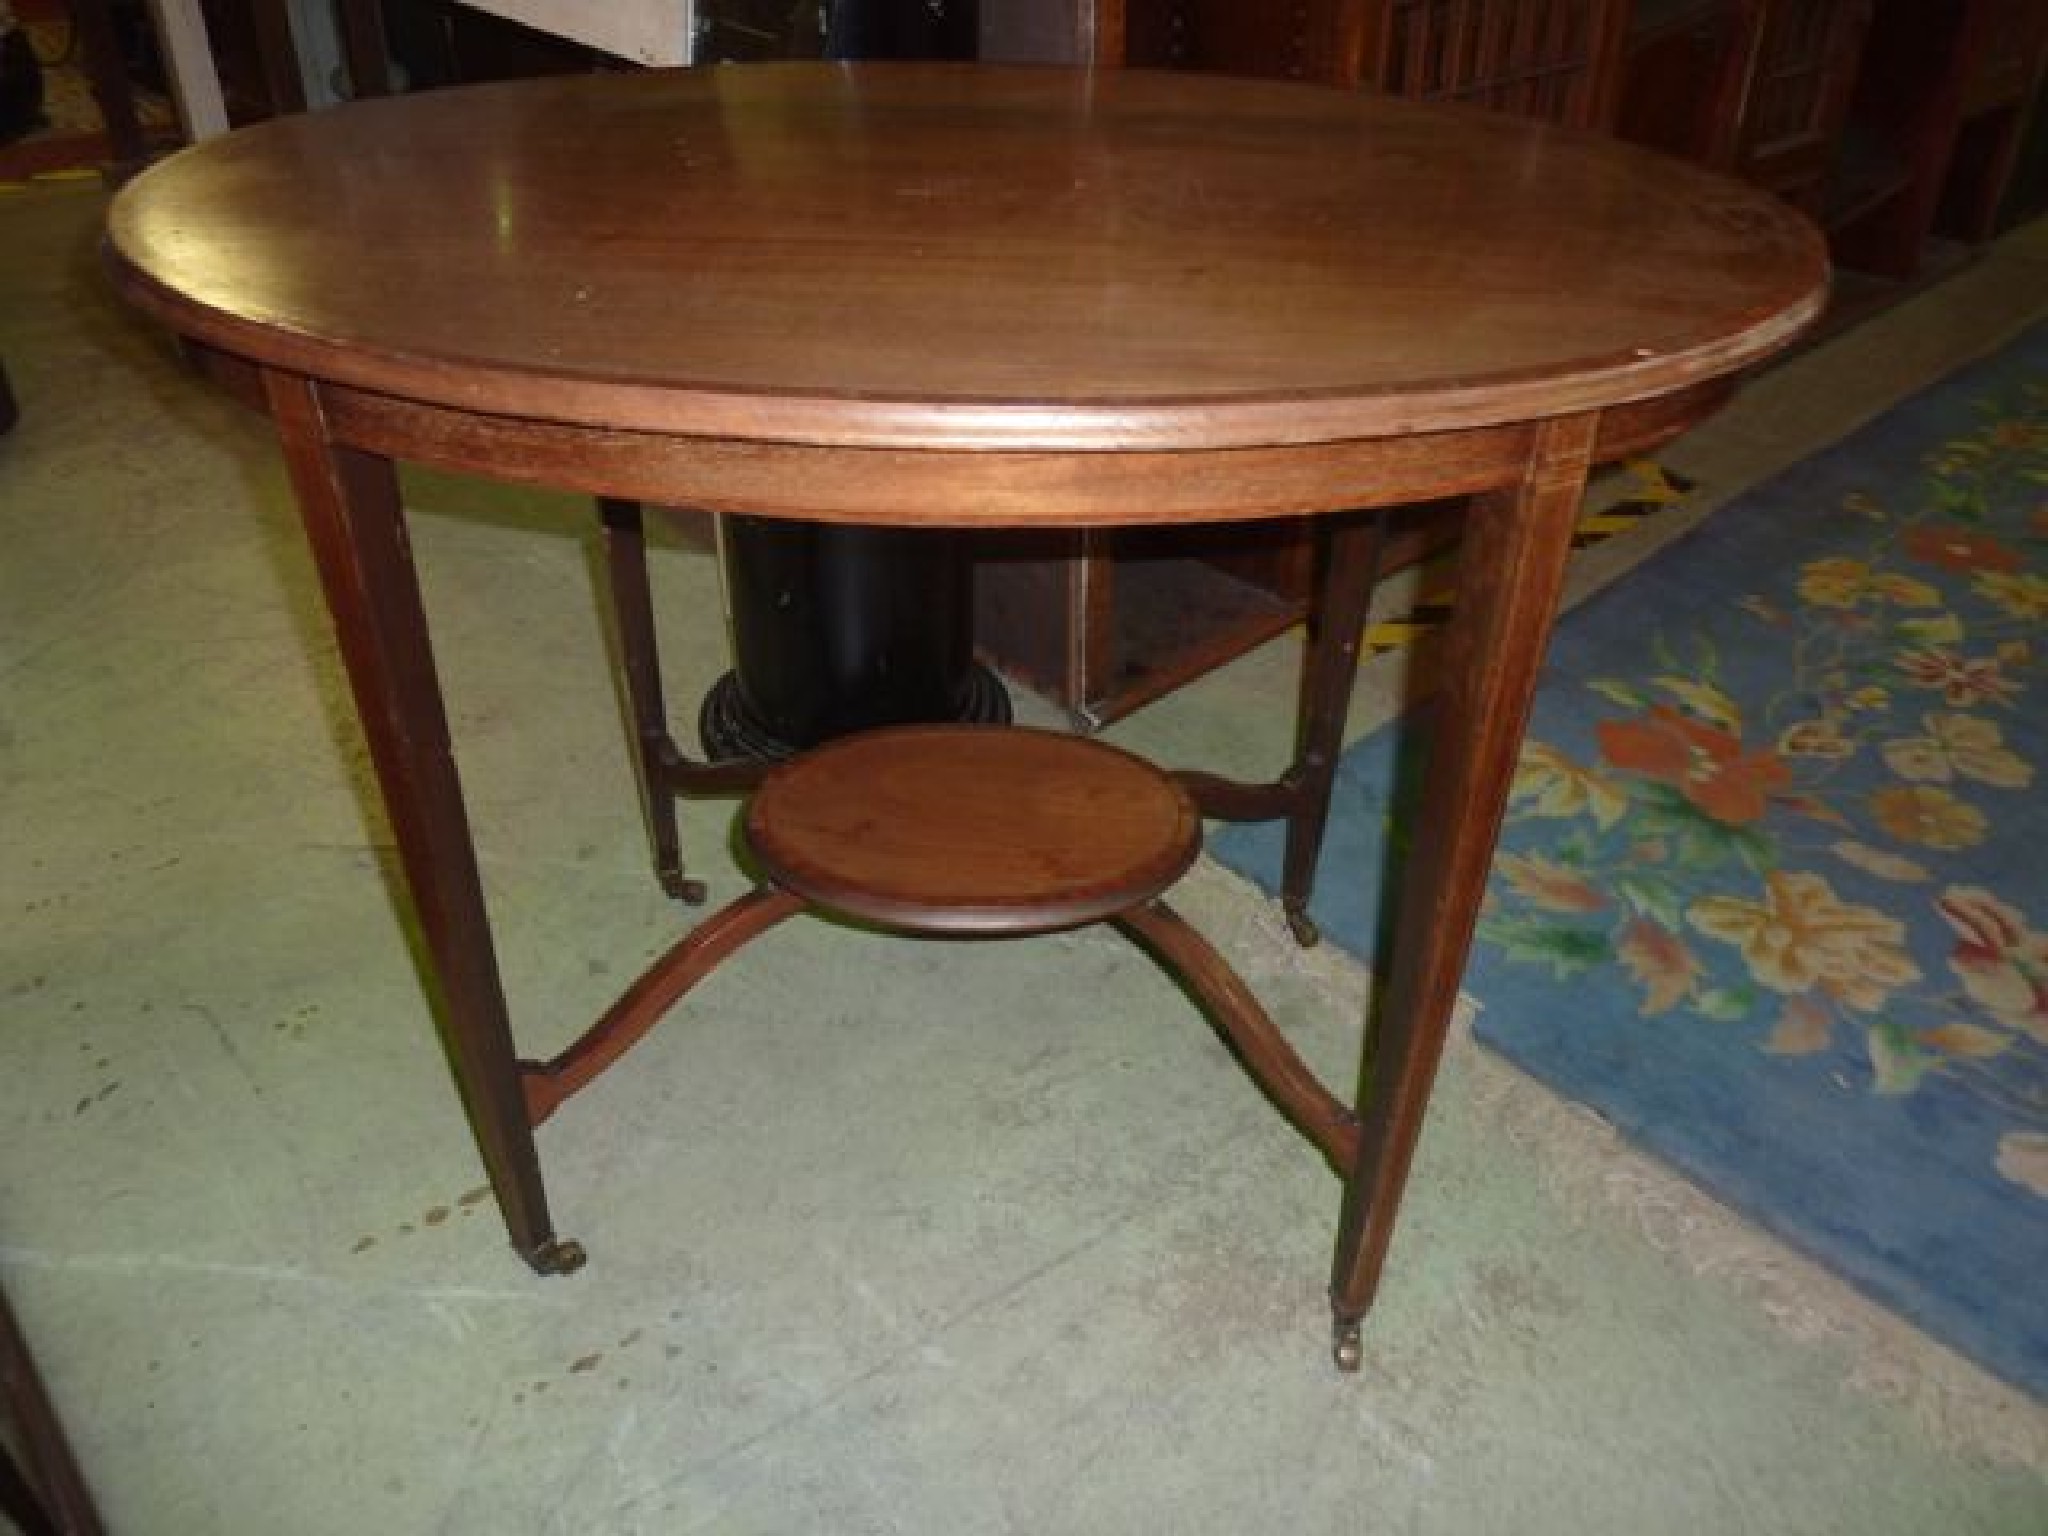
pixel 972 829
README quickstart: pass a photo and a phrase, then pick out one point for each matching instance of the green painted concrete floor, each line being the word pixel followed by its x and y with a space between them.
pixel 885 1236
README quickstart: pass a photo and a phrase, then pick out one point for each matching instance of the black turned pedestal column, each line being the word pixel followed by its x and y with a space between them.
pixel 838 629
pixel 834 629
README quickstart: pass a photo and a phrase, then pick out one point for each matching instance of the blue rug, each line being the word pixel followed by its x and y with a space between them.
pixel 1773 892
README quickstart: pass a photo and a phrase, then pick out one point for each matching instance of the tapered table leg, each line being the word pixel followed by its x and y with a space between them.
pixel 1347 553
pixel 1510 574
pixel 1347 557
pixel 354 521
pixel 632 609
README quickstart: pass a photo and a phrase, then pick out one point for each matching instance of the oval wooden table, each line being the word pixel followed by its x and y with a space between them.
pixel 968 297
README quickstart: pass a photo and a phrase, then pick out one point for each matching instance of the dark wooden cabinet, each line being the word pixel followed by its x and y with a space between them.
pixel 1940 111
pixel 1803 61
pixel 1559 60
pixel 1105 621
pixel 1889 120
pixel 1293 40
pixel 1685 64
pixel 1555 59
pixel 2025 195
pixel 1760 88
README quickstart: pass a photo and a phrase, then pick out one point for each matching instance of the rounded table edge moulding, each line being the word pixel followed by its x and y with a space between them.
pixel 794 419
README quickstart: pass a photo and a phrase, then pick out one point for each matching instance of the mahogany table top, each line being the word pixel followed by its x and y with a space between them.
pixel 960 257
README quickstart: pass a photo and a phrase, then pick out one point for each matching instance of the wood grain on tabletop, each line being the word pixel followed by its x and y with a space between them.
pixel 949 256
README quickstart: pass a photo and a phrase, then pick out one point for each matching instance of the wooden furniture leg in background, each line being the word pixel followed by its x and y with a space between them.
pixel 365 49
pixel 45 1492
pixel 100 47
pixel 1347 552
pixel 1510 574
pixel 1347 558
pixel 277 52
pixel 664 770
pixel 355 523
pixel 632 611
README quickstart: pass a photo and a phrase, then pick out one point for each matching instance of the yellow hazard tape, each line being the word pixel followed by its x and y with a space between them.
pixel 48 178
pixel 1653 485
pixel 1654 490
pixel 1396 632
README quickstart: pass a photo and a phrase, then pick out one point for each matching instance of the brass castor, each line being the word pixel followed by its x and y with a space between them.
pixel 1303 927
pixel 689 892
pixel 558 1256
pixel 1347 1346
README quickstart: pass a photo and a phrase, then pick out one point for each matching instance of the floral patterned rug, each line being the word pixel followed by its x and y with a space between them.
pixel 1773 893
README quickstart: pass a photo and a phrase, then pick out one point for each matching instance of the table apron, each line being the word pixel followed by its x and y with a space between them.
pixel 954 489
pixel 961 488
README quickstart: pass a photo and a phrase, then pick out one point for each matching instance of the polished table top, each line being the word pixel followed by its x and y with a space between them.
pixel 960 257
